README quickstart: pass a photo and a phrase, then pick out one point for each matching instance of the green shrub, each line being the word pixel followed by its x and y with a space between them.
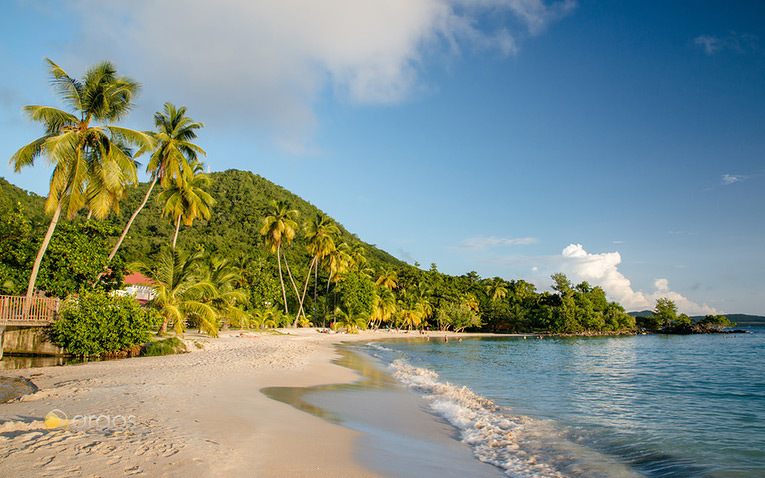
pixel 97 324
pixel 170 346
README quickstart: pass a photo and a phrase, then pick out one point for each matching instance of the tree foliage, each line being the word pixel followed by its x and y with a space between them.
pixel 96 323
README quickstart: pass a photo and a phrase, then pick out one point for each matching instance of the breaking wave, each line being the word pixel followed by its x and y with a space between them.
pixel 519 445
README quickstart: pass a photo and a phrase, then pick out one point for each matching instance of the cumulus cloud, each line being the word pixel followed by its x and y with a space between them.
pixel 266 62
pixel 728 179
pixel 602 269
pixel 477 243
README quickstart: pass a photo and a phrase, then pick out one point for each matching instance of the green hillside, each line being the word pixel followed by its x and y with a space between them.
pixel 741 320
pixel 241 200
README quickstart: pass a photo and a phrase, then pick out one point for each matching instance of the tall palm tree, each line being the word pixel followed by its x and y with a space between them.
pixel 279 227
pixel 179 291
pixel 186 200
pixel 91 164
pixel 320 234
pixel 384 306
pixel 338 263
pixel 175 154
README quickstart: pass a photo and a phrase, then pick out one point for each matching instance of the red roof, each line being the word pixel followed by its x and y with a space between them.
pixel 136 278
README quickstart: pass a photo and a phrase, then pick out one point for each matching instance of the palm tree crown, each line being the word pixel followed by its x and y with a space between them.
pixel 91 161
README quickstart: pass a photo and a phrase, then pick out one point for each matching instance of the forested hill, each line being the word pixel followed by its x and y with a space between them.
pixel 241 200
pixel 742 320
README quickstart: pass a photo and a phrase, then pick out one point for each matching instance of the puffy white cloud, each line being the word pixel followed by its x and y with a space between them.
pixel 264 63
pixel 601 269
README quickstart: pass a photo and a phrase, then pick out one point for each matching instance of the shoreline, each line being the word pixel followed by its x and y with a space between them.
pixel 196 414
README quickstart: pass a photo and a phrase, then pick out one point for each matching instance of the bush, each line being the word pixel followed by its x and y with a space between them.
pixel 170 346
pixel 97 324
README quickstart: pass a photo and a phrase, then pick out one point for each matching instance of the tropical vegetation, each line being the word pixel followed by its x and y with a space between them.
pixel 243 235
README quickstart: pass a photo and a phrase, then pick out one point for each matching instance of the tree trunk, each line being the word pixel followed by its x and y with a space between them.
pixel 127 228
pixel 281 277
pixel 294 286
pixel 305 288
pixel 41 252
pixel 163 327
pixel 177 228
pixel 316 286
pixel 132 218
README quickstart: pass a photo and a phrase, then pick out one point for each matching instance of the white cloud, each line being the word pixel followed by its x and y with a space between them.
pixel 601 269
pixel 709 44
pixel 265 63
pixel 734 41
pixel 728 179
pixel 477 243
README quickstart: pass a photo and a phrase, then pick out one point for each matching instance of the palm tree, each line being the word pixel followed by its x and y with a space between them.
pixel 186 199
pixel 91 163
pixel 279 227
pixel 496 290
pixel 179 291
pixel 387 279
pixel 173 157
pixel 224 295
pixel 350 319
pixel 320 233
pixel 338 263
pixel 384 306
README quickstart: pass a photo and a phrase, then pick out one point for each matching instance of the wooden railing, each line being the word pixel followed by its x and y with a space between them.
pixel 19 310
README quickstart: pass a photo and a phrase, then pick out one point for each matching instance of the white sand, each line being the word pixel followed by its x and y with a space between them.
pixel 196 414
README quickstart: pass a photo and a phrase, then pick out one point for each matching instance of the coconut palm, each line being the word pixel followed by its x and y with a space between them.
pixel 173 157
pixel 279 227
pixel 384 306
pixel 224 295
pixel 319 233
pixel 91 163
pixel 350 319
pixel 388 279
pixel 496 289
pixel 179 293
pixel 337 264
pixel 187 200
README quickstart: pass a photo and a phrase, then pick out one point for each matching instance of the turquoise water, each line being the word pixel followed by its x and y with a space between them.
pixel 650 405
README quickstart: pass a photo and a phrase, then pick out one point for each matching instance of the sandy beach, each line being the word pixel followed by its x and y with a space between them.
pixel 195 414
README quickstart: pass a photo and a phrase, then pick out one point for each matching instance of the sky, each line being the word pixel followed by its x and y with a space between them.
pixel 622 143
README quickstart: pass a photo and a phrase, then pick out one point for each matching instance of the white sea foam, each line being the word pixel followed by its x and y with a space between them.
pixel 522 446
pixel 491 431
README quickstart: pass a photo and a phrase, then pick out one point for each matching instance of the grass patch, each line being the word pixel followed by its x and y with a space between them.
pixel 170 346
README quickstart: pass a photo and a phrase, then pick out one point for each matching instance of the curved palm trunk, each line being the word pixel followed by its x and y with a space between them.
pixel 305 288
pixel 132 218
pixel 315 286
pixel 281 277
pixel 127 228
pixel 177 228
pixel 294 286
pixel 41 252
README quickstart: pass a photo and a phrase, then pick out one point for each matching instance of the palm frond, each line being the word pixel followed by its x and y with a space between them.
pixel 68 88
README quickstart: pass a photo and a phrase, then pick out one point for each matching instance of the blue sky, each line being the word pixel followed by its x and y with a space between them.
pixel 622 143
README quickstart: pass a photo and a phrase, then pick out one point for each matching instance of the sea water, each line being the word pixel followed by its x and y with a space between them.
pixel 646 405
